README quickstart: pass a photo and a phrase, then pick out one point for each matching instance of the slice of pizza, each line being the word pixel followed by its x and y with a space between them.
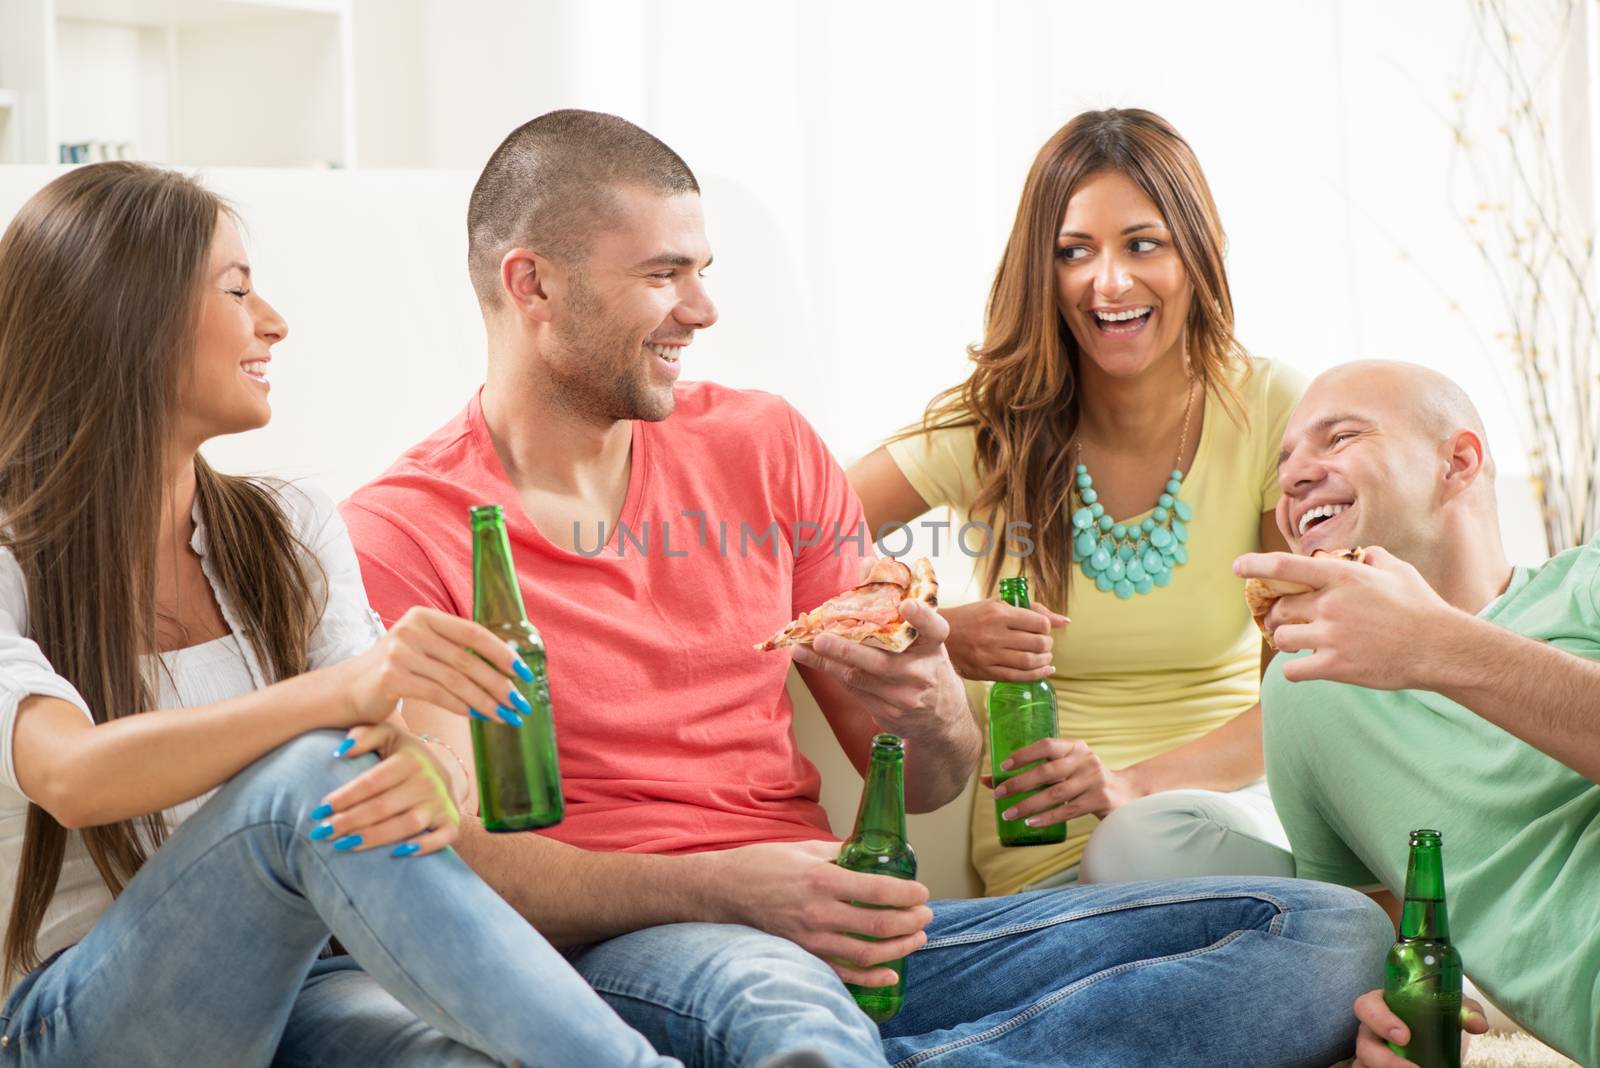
pixel 868 613
pixel 1262 594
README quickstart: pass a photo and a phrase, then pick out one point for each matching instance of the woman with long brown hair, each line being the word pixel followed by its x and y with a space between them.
pixel 206 772
pixel 1112 410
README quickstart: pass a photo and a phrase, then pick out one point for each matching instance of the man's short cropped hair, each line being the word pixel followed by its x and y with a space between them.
pixel 548 188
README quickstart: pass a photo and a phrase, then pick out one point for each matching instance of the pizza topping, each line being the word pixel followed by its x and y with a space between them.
pixel 887 569
pixel 868 613
pixel 876 601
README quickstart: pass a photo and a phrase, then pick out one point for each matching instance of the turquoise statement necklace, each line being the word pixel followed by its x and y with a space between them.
pixel 1126 560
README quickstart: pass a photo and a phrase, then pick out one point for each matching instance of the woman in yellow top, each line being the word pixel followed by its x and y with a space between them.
pixel 1112 410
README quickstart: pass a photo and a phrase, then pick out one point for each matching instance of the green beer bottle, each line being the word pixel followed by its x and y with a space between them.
pixel 1422 977
pixel 878 846
pixel 1020 713
pixel 519 778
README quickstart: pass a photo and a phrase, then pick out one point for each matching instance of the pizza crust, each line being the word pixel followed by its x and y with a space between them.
pixel 1261 594
pixel 869 613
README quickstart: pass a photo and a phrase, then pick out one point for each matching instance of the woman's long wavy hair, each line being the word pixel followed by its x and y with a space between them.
pixel 1022 394
pixel 101 277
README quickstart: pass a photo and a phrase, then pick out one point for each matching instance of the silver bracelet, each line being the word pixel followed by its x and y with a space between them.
pixel 466 776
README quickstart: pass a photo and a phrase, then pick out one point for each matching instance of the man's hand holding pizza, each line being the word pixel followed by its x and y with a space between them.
pixel 1374 623
pixel 914 693
pixel 883 640
pixel 876 660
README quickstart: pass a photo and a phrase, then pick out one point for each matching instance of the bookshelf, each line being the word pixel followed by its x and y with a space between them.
pixel 257 83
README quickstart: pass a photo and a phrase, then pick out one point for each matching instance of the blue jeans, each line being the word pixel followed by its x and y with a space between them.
pixel 1219 971
pixel 210 955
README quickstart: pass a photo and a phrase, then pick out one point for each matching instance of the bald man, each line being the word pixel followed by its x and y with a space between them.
pixel 1435 685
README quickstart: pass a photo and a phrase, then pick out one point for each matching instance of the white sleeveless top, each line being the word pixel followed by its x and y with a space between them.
pixel 185 678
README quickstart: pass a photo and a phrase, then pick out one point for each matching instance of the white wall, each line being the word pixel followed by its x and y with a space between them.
pixel 862 163
pixel 223 93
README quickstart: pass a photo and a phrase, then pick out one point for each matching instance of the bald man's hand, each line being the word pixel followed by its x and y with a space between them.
pixel 1372 624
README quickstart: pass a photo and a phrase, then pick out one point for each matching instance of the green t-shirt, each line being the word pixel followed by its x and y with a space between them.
pixel 1353 771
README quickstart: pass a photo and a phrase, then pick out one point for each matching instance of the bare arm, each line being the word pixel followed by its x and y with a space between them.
pixel 1225 759
pixel 1073 781
pixel 886 495
pixel 915 694
pixel 85 774
pixel 789 889
pixel 940 757
pixel 1359 617
pixel 555 885
pixel 1544 695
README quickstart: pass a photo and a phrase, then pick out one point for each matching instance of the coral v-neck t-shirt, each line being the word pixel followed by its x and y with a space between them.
pixel 675 735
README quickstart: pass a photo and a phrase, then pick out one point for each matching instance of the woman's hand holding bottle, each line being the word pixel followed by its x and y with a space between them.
pixel 435 657
pixel 992 641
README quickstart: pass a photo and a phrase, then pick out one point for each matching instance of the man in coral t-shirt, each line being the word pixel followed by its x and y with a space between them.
pixel 660 530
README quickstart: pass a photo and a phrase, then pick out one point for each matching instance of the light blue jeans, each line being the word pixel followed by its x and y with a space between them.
pixel 1217 971
pixel 210 956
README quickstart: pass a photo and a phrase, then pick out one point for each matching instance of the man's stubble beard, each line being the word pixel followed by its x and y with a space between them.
pixel 599 373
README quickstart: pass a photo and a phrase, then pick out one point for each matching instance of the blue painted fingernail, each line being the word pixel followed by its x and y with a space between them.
pixel 522 703
pixel 509 716
pixel 321 831
pixel 405 849
pixel 349 841
pixel 523 671
pixel 344 747
pixel 322 812
pixel 475 714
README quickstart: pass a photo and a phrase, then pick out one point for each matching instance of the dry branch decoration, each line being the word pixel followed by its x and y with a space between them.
pixel 1538 246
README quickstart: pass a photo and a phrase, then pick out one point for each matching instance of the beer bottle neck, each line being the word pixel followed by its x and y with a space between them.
pixel 496 598
pixel 1014 592
pixel 883 802
pixel 1423 914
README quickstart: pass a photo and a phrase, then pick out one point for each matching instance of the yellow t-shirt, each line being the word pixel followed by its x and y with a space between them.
pixel 1136 678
